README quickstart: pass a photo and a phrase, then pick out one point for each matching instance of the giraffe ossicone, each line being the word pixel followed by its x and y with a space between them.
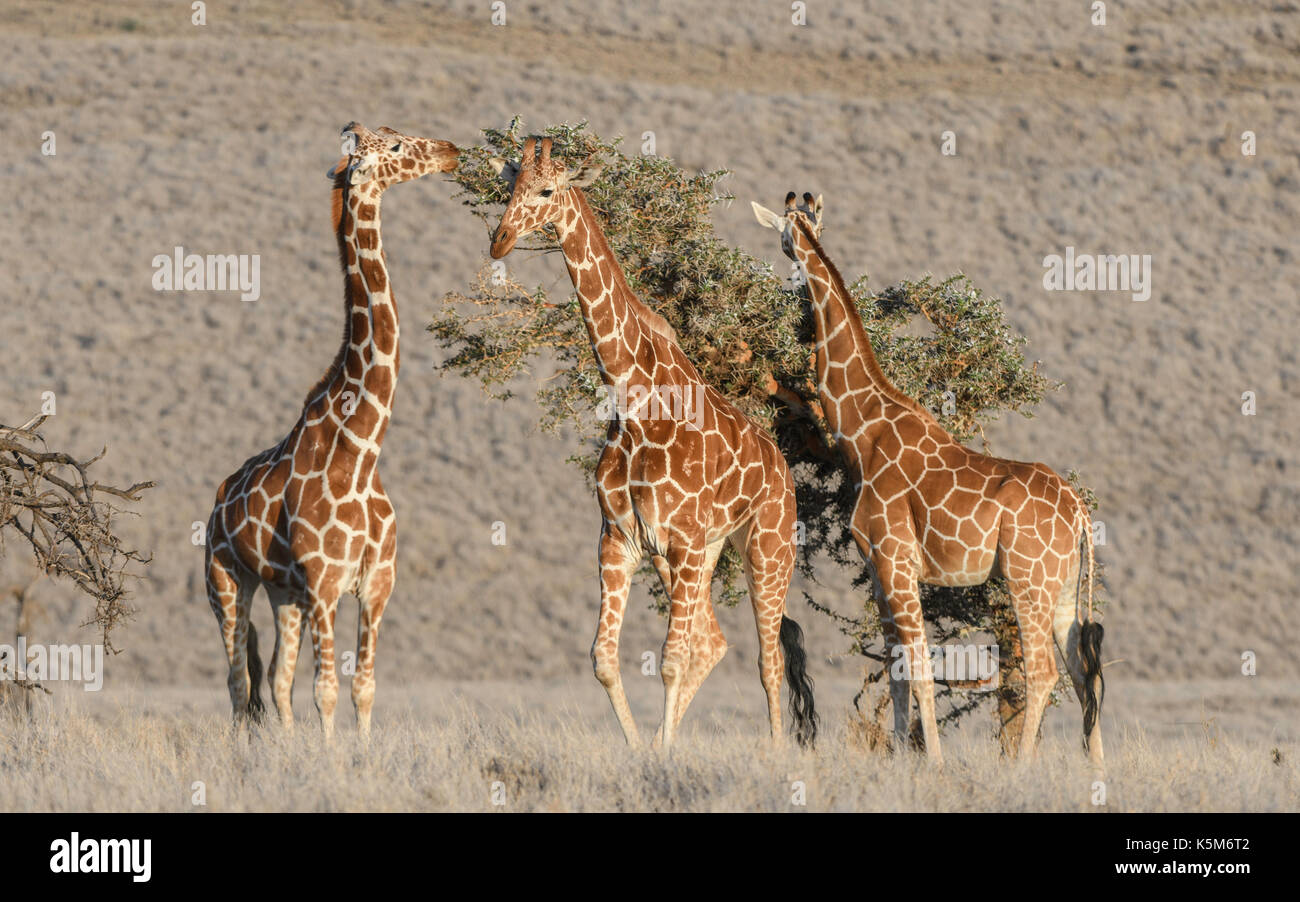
pixel 309 518
pixel 665 489
pixel 931 510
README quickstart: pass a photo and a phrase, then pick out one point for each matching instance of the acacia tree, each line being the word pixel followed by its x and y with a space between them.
pixel 748 332
pixel 67 520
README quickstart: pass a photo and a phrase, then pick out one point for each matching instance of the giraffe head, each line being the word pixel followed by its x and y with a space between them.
pixel 376 160
pixel 808 213
pixel 539 193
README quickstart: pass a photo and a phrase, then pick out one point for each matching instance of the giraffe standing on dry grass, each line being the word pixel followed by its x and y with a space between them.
pixel 930 510
pixel 309 518
pixel 682 472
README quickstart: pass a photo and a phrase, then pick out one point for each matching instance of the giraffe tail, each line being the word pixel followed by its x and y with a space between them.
pixel 256 709
pixel 801 684
pixel 1090 636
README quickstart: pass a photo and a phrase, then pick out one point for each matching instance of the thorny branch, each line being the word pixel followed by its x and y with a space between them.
pixel 50 499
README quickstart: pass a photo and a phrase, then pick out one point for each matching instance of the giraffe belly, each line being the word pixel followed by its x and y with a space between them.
pixel 960 555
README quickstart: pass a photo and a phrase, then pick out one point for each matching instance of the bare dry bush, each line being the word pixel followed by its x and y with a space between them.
pixel 67 520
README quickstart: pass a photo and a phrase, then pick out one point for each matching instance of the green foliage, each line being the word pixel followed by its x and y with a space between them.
pixel 747 332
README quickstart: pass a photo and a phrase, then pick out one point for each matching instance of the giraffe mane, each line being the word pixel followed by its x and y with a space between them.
pixel 891 391
pixel 338 200
pixel 655 322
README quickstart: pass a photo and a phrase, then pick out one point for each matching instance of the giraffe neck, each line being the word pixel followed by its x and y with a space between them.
pixel 852 386
pixel 616 319
pixel 359 387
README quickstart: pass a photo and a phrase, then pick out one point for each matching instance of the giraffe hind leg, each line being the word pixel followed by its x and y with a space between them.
pixel 902 594
pixel 768 557
pixel 229 595
pixel 1035 606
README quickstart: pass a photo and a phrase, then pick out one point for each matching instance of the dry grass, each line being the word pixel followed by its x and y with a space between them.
pixel 132 759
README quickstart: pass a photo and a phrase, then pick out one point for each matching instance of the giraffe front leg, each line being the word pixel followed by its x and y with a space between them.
pixel 374 598
pixel 708 647
pixel 288 636
pixel 322 599
pixel 899 693
pixel 616 565
pixel 898 578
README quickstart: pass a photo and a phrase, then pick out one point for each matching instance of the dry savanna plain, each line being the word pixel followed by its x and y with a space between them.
pixel 1122 138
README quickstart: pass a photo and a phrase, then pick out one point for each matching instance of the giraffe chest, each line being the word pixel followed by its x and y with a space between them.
pixel 343 526
pixel 304 529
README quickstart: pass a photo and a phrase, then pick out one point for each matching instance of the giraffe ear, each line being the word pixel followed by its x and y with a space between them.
pixel 767 218
pixel 817 214
pixel 505 170
pixel 585 177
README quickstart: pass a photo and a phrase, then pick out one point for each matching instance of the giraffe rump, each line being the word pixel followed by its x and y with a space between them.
pixel 801 684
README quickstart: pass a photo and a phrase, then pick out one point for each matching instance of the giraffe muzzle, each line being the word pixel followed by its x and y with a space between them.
pixel 503 240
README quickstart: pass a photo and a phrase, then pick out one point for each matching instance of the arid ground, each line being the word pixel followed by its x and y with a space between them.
pixel 1123 138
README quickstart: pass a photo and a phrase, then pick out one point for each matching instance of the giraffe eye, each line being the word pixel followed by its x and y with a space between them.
pixel 547 192
pixel 395 148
